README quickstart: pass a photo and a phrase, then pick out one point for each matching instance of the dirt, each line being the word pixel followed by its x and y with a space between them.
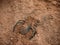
pixel 46 11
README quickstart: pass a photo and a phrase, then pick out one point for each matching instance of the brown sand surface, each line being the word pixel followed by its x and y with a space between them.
pixel 46 11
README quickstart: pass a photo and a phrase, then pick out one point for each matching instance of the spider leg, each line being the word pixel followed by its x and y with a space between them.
pixel 20 22
pixel 33 33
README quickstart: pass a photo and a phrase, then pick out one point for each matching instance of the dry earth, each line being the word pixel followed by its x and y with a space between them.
pixel 47 11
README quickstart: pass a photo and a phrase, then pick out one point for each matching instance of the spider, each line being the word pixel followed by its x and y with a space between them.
pixel 25 26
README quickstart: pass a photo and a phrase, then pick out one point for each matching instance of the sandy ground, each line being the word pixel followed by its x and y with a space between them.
pixel 47 11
